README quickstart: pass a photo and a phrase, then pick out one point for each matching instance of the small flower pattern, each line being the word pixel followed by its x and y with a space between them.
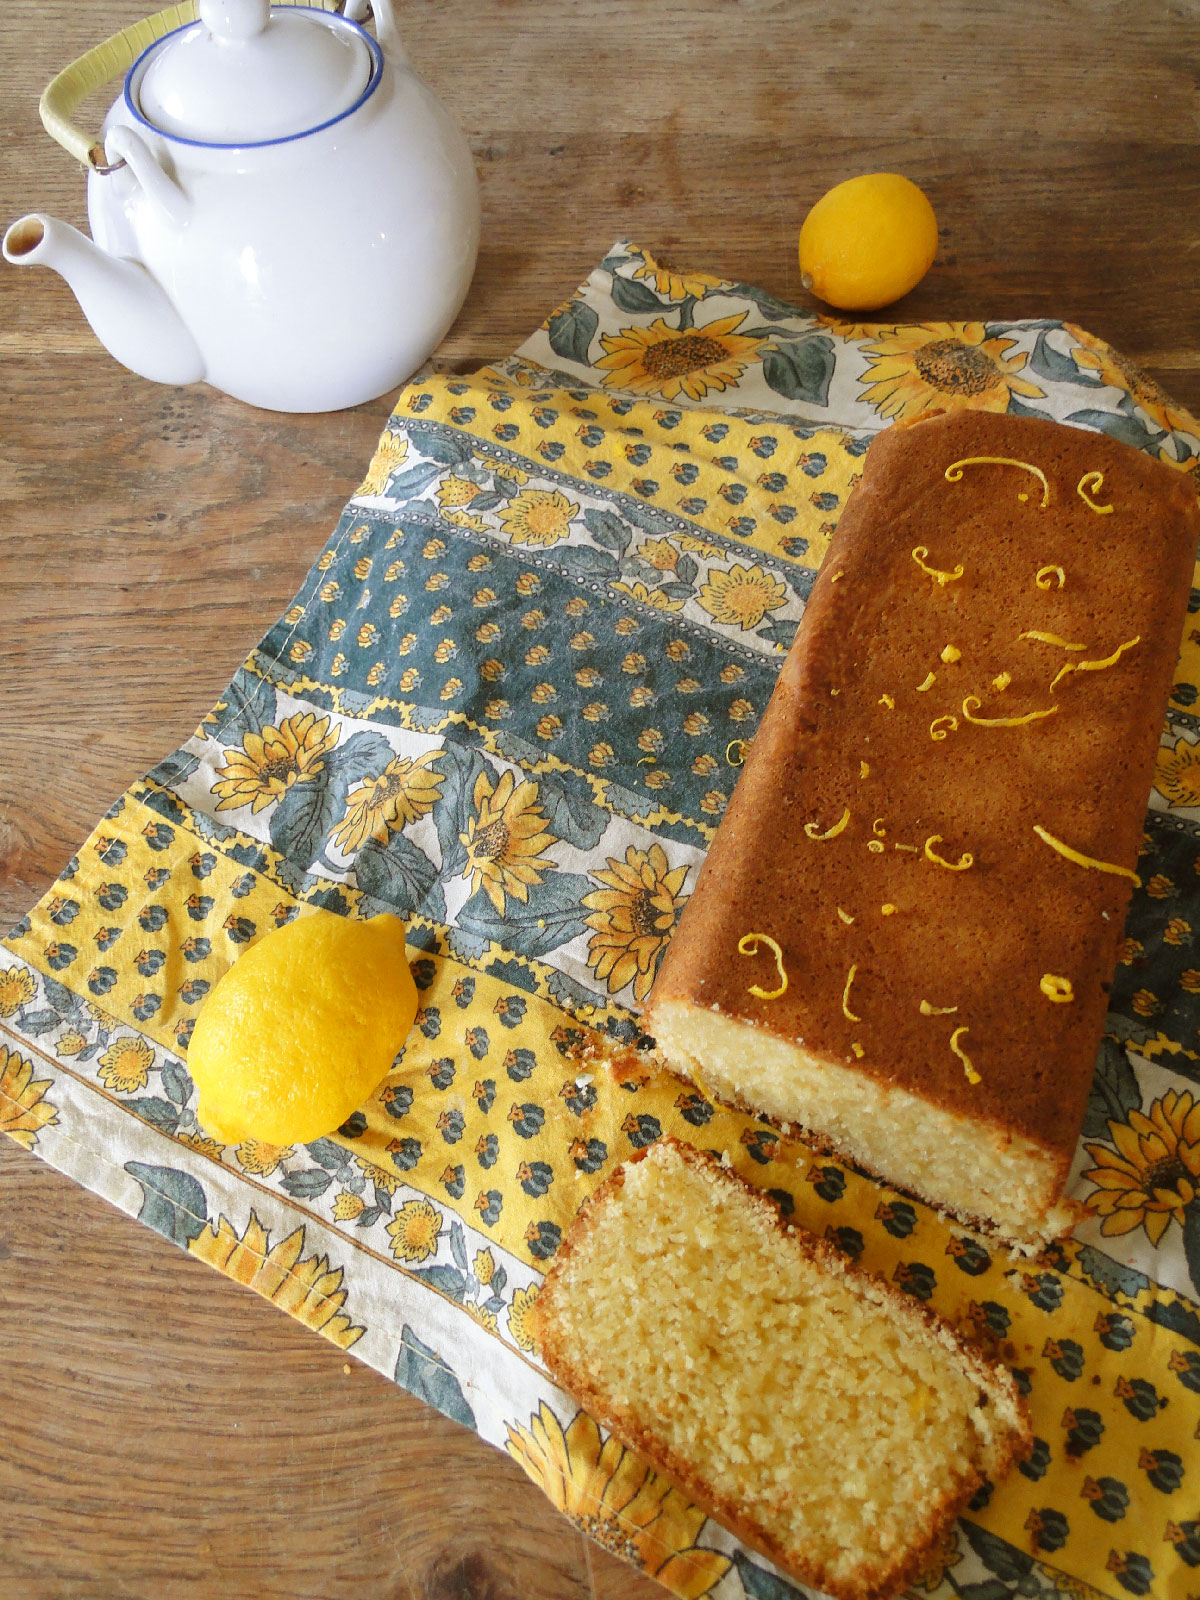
pixel 503 705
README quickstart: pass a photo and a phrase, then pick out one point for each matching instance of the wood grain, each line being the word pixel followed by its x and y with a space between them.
pixel 148 537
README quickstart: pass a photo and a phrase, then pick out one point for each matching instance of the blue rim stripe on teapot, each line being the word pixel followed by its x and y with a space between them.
pixel 133 78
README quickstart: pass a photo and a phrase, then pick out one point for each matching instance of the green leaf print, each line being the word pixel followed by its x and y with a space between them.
pixel 174 1205
pixel 801 369
pixel 636 298
pixel 551 916
pixel 1114 1094
pixel 570 817
pixel 422 1372
pixel 759 1584
pixel 304 816
pixel 460 768
pixel 397 873
pixel 572 330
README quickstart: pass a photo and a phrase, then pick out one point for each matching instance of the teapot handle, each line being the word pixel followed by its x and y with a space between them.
pixel 64 94
pixel 386 30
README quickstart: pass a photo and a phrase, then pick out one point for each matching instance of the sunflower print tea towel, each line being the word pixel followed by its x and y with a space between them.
pixel 509 702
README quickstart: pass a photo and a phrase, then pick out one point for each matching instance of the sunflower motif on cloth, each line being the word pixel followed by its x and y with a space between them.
pixel 1153 1173
pixel 383 1178
pixel 270 762
pixel 618 1500
pixel 261 1158
pixel 676 285
pixel 633 917
pixel 1177 774
pixel 857 330
pixel 309 1290
pixel 946 366
pixel 647 597
pixel 505 840
pixel 406 789
pixel 17 988
pixel 668 361
pixel 414 1231
pixel 390 453
pixel 538 517
pixel 1109 367
pixel 741 597
pixel 24 1109
pixel 944 1555
pixel 520 1319
pixel 125 1065
pixel 454 491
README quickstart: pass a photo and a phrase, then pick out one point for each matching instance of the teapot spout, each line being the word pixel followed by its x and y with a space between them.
pixel 129 313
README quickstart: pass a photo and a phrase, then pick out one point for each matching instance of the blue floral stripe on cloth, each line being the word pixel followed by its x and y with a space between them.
pixel 509 702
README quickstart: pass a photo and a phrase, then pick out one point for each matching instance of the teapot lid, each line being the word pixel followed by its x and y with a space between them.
pixel 250 73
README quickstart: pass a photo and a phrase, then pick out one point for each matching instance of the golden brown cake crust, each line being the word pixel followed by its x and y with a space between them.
pixel 980 939
pixel 568 1368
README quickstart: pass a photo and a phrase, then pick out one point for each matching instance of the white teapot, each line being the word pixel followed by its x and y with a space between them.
pixel 280 206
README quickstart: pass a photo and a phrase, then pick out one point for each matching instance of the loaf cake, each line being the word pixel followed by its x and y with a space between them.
pixel 904 933
pixel 830 1421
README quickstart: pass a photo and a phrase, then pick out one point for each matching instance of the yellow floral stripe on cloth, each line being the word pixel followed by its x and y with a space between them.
pixel 155 928
pixel 754 482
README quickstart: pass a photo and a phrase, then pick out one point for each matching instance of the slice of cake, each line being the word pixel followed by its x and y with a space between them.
pixel 830 1421
pixel 904 933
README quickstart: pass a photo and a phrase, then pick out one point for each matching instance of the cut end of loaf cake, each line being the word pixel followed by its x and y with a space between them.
pixel 829 1421
pixel 987 1176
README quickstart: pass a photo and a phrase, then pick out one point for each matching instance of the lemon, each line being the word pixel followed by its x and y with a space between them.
pixel 302 1028
pixel 868 241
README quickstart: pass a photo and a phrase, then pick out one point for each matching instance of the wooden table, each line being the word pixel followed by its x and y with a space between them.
pixel 150 535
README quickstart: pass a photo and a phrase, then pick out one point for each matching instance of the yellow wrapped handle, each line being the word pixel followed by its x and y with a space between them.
pixel 63 96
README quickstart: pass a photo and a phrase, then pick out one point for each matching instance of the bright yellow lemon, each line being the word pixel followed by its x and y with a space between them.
pixel 867 242
pixel 302 1028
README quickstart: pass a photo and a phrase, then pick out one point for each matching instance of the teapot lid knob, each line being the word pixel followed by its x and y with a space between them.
pixel 235 19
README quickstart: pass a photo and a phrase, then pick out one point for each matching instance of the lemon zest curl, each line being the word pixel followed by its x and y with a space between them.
pixel 1097 666
pixel 748 946
pixel 739 759
pixel 1057 989
pixel 937 731
pixel 1080 860
pixel 846 1011
pixel 942 578
pixel 936 1011
pixel 812 829
pixel 1091 483
pixel 954 472
pixel 964 861
pixel 972 1076
pixel 1042 579
pixel 1050 638
pixel 973 700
